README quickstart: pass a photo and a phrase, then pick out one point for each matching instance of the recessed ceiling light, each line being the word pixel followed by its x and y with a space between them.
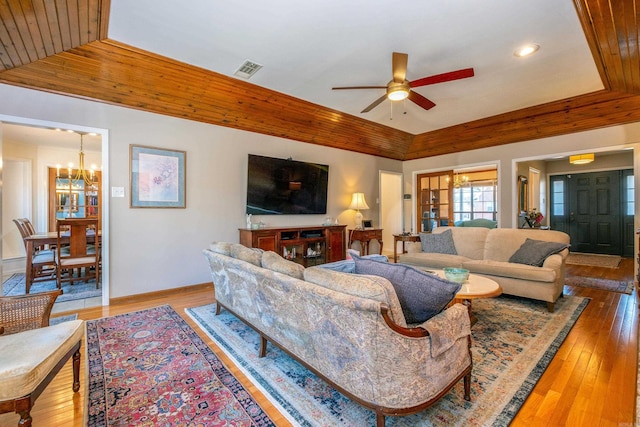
pixel 526 50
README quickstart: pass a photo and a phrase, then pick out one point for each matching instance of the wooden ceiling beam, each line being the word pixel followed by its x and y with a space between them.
pixel 112 72
pixel 596 110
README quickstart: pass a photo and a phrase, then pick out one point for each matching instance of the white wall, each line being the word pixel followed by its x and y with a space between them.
pixel 156 249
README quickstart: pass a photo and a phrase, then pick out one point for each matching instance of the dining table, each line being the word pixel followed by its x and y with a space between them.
pixel 39 240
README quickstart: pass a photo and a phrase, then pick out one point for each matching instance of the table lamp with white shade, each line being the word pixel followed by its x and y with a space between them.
pixel 358 203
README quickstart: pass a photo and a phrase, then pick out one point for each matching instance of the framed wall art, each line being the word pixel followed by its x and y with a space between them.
pixel 157 177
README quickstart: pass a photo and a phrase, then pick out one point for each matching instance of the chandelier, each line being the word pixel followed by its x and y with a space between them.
pixel 459 181
pixel 82 174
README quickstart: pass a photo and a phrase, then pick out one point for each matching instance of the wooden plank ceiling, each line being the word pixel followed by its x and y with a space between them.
pixel 61 46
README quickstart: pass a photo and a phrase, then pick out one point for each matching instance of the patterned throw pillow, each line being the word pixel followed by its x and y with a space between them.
pixel 440 243
pixel 534 252
pixel 273 261
pixel 422 295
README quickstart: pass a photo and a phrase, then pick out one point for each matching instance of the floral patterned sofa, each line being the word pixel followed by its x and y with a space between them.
pixel 347 328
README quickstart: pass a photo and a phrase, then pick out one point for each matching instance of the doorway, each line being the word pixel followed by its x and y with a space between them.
pixel 391 213
pixel 596 209
pixel 39 142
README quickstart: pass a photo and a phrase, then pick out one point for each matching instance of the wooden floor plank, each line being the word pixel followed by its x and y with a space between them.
pixel 590 382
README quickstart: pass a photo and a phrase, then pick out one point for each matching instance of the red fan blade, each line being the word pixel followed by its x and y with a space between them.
pixel 421 100
pixel 358 87
pixel 374 104
pixel 399 66
pixel 444 77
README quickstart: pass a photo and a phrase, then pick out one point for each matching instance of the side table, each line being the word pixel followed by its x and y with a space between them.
pixel 364 237
pixel 403 238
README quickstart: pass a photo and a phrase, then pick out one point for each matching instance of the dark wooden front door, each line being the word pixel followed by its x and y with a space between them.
pixel 591 208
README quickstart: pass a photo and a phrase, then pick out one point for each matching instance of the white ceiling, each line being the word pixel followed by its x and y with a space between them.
pixel 50 137
pixel 306 48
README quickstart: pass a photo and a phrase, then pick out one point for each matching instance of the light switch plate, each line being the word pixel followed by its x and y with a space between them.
pixel 117 191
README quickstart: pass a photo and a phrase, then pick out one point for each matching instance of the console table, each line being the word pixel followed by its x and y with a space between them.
pixel 306 245
pixel 403 238
pixel 364 237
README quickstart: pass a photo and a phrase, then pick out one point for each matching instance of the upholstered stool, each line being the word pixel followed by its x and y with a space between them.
pixel 30 359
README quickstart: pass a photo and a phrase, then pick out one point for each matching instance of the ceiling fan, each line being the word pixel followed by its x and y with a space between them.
pixel 399 88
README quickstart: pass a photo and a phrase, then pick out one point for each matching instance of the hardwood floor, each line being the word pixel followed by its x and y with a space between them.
pixel 591 381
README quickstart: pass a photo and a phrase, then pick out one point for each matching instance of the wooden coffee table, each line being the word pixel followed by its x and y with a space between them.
pixel 475 287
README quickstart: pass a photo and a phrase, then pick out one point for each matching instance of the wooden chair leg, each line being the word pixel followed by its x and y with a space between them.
pixel 25 418
pixel 76 371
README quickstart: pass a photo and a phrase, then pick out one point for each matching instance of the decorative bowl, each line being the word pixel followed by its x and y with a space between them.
pixel 458 275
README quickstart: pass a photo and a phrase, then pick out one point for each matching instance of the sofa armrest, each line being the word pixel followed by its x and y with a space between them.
pixel 555 261
pixel 447 327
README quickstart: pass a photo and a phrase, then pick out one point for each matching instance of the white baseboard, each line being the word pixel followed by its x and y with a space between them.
pixel 13 265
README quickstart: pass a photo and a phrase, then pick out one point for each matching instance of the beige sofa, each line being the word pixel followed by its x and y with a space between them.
pixel 487 252
pixel 347 328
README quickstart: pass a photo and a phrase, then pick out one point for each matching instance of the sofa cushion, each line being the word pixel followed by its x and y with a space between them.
pixel 372 287
pixel 469 241
pixel 251 255
pixel 441 243
pixel 534 252
pixel 273 261
pixel 21 371
pixel 502 243
pixel 222 248
pixel 422 295
pixel 511 269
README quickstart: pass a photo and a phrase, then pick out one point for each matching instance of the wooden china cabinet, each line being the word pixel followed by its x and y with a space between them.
pixel 69 198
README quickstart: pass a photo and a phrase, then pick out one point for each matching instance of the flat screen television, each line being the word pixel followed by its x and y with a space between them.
pixel 286 187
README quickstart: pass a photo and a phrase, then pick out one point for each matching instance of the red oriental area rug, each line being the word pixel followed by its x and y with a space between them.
pixel 150 368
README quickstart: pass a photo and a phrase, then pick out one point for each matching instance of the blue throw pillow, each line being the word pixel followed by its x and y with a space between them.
pixel 422 295
pixel 440 243
pixel 348 266
pixel 534 252
pixel 344 266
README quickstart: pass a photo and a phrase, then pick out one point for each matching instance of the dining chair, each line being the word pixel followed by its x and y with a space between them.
pixel 32 352
pixel 43 265
pixel 78 255
pixel 31 229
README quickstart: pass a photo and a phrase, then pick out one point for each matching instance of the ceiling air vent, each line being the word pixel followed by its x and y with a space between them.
pixel 247 69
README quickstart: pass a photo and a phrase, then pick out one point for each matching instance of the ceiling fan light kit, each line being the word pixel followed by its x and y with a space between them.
pixel 398 91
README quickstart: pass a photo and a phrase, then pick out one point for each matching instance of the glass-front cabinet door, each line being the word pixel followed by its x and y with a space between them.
pixel 434 205
pixel 73 198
